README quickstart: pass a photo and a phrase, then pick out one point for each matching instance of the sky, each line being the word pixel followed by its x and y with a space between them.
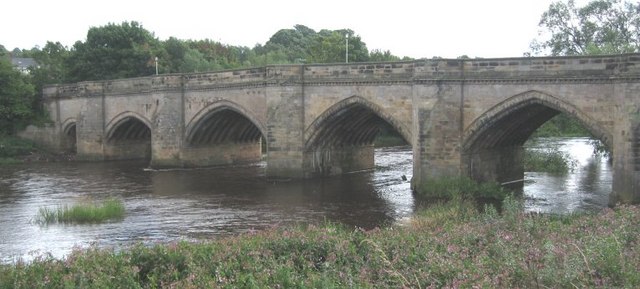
pixel 414 28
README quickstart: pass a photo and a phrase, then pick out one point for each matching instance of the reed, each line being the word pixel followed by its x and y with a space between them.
pixel 82 213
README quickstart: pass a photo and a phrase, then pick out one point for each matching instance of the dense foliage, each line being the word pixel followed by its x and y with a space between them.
pixel 599 27
pixel 129 50
pixel 453 245
pixel 17 97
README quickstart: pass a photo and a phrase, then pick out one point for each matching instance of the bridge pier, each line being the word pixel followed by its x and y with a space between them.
pixel 221 154
pixel 323 162
pixel 502 165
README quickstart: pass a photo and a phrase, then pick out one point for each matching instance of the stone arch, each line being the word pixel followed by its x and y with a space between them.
pixel 128 125
pixel 69 135
pixel 352 121
pixel 504 124
pixel 492 147
pixel 223 121
pixel 68 125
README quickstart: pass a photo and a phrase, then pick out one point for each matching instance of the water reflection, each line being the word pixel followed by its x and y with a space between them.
pixel 586 188
pixel 169 205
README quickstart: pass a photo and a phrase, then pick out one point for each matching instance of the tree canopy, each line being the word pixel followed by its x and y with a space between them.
pixel 599 27
pixel 16 98
pixel 114 51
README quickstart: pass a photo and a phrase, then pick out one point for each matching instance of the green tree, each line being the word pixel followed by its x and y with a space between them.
pixel 600 27
pixel 379 55
pixel 294 43
pixel 115 51
pixel 176 50
pixel 52 64
pixel 16 98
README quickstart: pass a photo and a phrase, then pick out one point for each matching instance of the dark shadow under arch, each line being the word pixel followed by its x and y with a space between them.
pixel 223 125
pixel 129 128
pixel 351 122
pixel 341 139
pixel 514 120
pixel 222 134
pixel 128 137
pixel 69 137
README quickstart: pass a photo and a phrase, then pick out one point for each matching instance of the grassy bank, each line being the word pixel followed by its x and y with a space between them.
pixel 450 245
pixel 13 149
pixel 82 213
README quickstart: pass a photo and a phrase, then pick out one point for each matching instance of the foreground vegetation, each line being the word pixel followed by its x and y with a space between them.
pixel 82 213
pixel 449 245
pixel 448 188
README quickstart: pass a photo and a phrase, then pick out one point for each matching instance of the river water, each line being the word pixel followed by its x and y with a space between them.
pixel 198 204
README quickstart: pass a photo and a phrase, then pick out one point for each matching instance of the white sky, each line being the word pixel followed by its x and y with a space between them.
pixel 415 28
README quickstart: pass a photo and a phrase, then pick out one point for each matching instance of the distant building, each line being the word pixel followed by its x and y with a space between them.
pixel 23 64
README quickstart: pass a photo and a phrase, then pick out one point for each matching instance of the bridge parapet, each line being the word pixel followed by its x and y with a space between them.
pixel 81 89
pixel 359 71
pixel 530 68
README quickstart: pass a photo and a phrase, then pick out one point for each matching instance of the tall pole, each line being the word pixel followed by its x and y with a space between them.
pixel 156 65
pixel 346 54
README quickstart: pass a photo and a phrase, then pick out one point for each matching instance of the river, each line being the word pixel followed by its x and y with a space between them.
pixel 200 204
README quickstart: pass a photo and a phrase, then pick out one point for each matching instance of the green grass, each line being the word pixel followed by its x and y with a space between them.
pixel 82 213
pixel 452 244
pixel 448 188
pixel 11 147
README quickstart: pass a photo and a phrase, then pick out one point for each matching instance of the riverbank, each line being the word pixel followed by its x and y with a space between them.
pixel 14 150
pixel 452 245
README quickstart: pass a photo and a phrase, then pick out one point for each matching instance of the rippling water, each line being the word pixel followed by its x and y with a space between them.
pixel 196 204
pixel 586 188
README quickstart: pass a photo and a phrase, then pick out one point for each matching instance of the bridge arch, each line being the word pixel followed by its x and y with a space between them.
pixel 223 121
pixel 341 139
pixel 222 133
pixel 507 124
pixel 352 121
pixel 69 135
pixel 128 136
pixel 492 144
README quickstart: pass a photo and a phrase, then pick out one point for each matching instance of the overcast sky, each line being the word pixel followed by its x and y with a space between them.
pixel 415 28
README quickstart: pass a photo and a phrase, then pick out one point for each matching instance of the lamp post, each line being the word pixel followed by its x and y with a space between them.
pixel 156 65
pixel 346 53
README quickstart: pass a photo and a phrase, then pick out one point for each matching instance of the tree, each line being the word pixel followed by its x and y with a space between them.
pixel 294 43
pixel 379 55
pixel 115 51
pixel 600 27
pixel 16 98
pixel 52 60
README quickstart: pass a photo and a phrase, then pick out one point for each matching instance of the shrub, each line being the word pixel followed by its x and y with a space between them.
pixel 552 161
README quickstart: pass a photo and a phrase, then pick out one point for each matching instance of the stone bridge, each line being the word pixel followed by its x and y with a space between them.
pixel 462 117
